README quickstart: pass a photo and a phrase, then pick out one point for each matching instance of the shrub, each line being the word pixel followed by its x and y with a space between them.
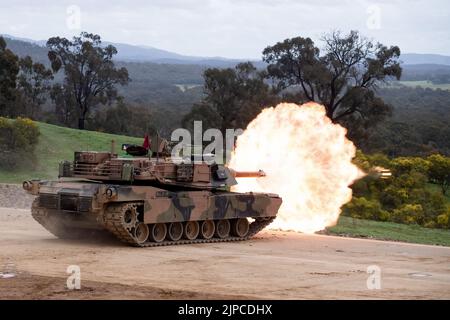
pixel 404 165
pixel 409 214
pixel 443 220
pixel 393 197
pixel 18 139
pixel 363 208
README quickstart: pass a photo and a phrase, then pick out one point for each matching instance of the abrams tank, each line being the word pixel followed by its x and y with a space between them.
pixel 149 200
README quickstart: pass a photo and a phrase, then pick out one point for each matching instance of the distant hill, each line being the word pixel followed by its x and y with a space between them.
pixel 134 53
pixel 24 47
pixel 137 53
pixel 435 73
pixel 417 58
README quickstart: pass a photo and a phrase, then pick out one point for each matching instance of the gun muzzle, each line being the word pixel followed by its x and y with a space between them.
pixel 380 173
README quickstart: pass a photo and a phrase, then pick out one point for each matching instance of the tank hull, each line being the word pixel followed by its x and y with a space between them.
pixel 151 215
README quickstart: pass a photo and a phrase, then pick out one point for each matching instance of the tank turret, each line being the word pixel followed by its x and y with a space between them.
pixel 105 166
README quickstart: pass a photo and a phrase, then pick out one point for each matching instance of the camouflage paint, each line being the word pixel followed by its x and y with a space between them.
pixel 161 206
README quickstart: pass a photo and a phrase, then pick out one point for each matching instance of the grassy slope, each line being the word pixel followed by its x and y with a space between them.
pixel 389 231
pixel 59 143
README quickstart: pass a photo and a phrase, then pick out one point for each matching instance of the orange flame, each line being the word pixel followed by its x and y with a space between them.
pixel 307 161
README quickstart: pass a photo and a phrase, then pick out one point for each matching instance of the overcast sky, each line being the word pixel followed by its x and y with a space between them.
pixel 232 28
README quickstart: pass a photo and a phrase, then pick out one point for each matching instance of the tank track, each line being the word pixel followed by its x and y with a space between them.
pixel 113 220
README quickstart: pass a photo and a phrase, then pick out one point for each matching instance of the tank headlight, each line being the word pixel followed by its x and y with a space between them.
pixel 111 192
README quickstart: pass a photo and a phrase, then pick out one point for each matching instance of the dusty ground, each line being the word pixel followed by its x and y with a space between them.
pixel 280 265
pixel 13 196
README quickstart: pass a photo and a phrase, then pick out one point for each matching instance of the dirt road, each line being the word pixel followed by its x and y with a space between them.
pixel 280 265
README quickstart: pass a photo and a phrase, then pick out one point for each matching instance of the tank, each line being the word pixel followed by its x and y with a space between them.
pixel 149 200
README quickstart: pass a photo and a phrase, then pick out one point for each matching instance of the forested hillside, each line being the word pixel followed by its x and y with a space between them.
pixel 419 124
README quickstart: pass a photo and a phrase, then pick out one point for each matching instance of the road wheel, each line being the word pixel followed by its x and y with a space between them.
pixel 240 227
pixel 158 232
pixel 207 229
pixel 191 230
pixel 129 216
pixel 141 232
pixel 175 231
pixel 222 228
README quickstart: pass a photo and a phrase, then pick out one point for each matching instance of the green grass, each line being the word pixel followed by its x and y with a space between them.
pixel 389 231
pixel 425 84
pixel 57 144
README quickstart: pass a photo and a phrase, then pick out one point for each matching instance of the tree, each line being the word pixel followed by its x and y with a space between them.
pixel 343 79
pixel 125 120
pixel 89 71
pixel 233 97
pixel 439 171
pixel 65 104
pixel 33 84
pixel 406 165
pixel 9 68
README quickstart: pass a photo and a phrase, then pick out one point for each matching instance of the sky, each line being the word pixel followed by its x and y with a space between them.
pixel 232 28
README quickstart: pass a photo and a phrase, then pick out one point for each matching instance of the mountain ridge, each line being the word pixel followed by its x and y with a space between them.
pixel 145 53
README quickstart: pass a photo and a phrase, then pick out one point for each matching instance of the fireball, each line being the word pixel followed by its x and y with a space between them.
pixel 307 160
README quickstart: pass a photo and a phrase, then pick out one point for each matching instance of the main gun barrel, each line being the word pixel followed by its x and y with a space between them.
pixel 248 174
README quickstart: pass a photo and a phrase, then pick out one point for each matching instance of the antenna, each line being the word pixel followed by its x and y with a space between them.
pixel 149 150
pixel 88 140
pixel 157 146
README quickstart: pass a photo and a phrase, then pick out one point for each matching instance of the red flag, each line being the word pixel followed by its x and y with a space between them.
pixel 146 144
